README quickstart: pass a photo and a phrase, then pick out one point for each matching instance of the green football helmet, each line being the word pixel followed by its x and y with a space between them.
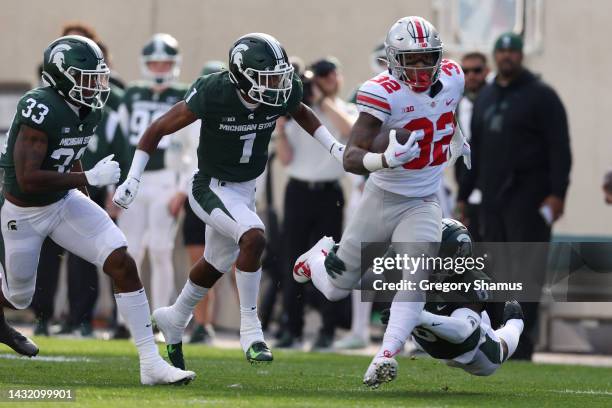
pixel 259 68
pixel 75 67
pixel 212 67
pixel 161 47
pixel 456 239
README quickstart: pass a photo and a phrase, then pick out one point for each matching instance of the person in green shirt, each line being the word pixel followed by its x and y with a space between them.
pixel 239 109
pixel 44 195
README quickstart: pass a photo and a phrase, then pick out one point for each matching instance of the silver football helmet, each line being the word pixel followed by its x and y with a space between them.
pixel 414 52
pixel 161 47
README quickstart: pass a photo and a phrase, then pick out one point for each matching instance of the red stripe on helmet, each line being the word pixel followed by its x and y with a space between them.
pixel 419 30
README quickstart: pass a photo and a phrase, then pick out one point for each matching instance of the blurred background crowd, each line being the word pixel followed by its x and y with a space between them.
pixel 525 154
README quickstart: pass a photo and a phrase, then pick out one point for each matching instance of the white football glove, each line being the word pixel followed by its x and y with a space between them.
pixel 459 147
pixel 398 154
pixel 105 172
pixel 126 192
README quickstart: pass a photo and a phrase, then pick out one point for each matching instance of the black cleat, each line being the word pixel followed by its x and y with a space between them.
pixel 513 310
pixel 175 354
pixel 259 352
pixel 17 341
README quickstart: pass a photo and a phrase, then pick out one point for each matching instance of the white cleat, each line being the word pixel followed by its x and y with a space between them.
pixel 301 269
pixel 381 370
pixel 162 318
pixel 161 372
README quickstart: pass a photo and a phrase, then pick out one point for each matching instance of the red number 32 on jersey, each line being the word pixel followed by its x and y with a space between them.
pixel 444 124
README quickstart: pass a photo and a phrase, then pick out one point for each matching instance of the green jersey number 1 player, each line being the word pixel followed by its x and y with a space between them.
pixel 239 109
pixel 50 132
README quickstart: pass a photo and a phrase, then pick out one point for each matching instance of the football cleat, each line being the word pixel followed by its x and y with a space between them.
pixel 17 341
pixel 175 355
pixel 513 310
pixel 381 370
pixel 173 335
pixel 161 372
pixel 258 353
pixel 301 269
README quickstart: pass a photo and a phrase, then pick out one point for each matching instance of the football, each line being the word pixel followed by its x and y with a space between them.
pixel 381 141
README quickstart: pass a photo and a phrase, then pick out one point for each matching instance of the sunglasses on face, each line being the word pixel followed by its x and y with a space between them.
pixel 475 70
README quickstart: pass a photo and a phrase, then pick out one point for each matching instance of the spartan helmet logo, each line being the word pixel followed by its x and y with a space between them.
pixel 237 54
pixel 57 55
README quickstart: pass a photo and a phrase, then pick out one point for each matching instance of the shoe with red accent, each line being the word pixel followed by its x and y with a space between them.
pixel 301 269
pixel 380 371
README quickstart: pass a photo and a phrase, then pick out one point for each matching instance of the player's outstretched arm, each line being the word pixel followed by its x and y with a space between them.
pixel 309 121
pixel 30 151
pixel 178 117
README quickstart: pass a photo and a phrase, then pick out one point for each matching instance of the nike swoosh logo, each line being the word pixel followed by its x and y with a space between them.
pixel 398 154
pixel 449 101
pixel 255 354
pixel 438 308
pixel 148 325
pixel 272 117
pixel 435 324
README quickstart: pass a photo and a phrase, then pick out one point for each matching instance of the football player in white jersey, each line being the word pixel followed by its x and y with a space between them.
pixel 419 92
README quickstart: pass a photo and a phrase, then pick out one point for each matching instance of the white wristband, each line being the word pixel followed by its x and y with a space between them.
pixel 323 136
pixel 373 161
pixel 139 162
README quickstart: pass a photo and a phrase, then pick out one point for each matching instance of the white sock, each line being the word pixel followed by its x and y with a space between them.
pixel 186 302
pixel 360 323
pixel 404 318
pixel 511 333
pixel 248 291
pixel 320 279
pixel 134 307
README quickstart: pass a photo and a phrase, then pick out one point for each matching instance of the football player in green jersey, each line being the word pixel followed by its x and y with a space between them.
pixel 41 198
pixel 238 108
pixel 454 326
pixel 148 223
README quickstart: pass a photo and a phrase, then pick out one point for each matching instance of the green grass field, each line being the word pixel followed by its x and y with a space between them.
pixel 105 374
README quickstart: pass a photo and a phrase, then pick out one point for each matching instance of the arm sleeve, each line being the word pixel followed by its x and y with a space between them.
pixel 455 328
pixel 371 98
pixel 553 122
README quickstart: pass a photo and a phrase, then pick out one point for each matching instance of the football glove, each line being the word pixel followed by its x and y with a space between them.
pixel 126 192
pixel 398 154
pixel 105 172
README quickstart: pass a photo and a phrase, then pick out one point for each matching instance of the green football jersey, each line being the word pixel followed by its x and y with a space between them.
pixel 68 136
pixel 444 303
pixel 140 106
pixel 234 140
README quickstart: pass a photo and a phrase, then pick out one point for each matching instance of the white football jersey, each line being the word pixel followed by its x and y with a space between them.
pixel 397 106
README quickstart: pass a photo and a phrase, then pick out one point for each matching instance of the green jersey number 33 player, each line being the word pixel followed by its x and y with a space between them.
pixel 238 109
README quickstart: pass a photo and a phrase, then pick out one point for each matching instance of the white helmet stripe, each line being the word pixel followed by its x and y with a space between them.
pixel 273 43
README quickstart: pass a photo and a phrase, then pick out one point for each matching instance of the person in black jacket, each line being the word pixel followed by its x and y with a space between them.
pixel 521 161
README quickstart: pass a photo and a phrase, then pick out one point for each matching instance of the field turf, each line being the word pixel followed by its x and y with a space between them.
pixel 105 374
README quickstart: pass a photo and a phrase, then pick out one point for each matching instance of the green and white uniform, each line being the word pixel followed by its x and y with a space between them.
pixel 232 153
pixel 148 223
pixel 480 352
pixel 68 217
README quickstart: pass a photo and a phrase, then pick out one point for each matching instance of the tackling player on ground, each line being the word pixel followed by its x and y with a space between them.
pixel 43 197
pixel 419 92
pixel 238 109
pixel 454 326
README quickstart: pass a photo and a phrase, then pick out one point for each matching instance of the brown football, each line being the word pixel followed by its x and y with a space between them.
pixel 381 141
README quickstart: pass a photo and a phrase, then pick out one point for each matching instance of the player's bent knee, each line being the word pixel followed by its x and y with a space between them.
pixel 253 241
pixel 120 265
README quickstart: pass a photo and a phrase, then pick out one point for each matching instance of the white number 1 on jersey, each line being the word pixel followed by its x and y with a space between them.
pixel 247 149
